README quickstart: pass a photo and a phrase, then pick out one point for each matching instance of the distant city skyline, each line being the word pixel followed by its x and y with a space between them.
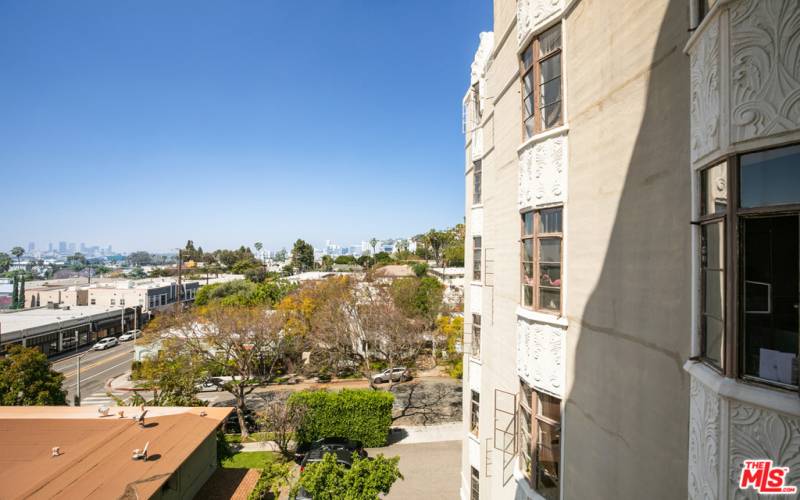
pixel 211 127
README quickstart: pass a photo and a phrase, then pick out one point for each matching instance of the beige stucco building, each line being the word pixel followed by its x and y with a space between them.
pixel 623 199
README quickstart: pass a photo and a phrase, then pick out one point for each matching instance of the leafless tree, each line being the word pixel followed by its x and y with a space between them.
pixel 281 420
pixel 243 342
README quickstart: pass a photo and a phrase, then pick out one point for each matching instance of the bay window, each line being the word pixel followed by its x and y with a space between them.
pixel 541 259
pixel 540 71
pixel 540 437
pixel 749 311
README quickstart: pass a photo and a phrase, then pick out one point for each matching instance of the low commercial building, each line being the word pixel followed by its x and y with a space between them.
pixel 150 295
pixel 55 330
pixel 76 452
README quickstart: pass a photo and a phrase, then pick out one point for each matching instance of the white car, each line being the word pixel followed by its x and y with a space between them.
pixel 131 335
pixel 105 343
pixel 399 374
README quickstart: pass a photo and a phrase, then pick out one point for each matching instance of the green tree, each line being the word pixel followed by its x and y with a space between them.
pixel 15 293
pixel 21 299
pixel 280 255
pixel 418 298
pixel 345 259
pixel 26 379
pixel 373 242
pixel 140 258
pixel 366 479
pixel 327 262
pixel 18 252
pixel 173 380
pixel 258 246
pixel 302 255
pixel 5 262
pixel 137 273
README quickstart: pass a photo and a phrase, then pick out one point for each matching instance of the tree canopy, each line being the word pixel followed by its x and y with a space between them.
pixel 27 379
pixel 366 479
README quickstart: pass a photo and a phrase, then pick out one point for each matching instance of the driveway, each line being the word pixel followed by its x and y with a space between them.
pixel 431 470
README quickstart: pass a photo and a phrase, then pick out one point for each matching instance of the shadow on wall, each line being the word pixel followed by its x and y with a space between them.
pixel 626 413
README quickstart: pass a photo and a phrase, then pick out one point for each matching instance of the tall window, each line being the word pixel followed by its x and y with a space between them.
pixel 476 258
pixel 476 104
pixel 750 266
pixel 540 67
pixel 540 433
pixel 477 179
pixel 541 259
pixel 476 335
pixel 474 484
pixel 474 412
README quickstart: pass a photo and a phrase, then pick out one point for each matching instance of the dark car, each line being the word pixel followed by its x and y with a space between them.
pixel 342 448
pixel 232 422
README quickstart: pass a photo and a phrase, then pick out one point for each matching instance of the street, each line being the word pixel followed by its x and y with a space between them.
pixel 96 368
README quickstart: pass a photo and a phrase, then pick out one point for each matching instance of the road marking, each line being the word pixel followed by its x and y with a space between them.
pixel 102 361
pixel 84 379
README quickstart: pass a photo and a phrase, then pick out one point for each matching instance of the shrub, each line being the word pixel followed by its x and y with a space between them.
pixel 365 480
pixel 274 477
pixel 361 414
pixel 420 269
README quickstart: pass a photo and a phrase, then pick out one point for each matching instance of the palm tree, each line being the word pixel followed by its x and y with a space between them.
pixel 5 262
pixel 258 246
pixel 373 243
pixel 18 252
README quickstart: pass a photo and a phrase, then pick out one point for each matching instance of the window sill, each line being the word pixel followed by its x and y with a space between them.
pixel 474 360
pixel 476 283
pixel 540 317
pixel 477 205
pixel 541 136
pixel 773 399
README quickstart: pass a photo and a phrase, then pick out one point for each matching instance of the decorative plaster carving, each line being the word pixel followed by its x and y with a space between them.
pixel 481 61
pixel 765 68
pixel 539 354
pixel 704 438
pixel 705 105
pixel 761 433
pixel 532 13
pixel 541 172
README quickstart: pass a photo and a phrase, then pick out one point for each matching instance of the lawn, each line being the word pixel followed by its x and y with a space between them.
pixel 255 437
pixel 248 460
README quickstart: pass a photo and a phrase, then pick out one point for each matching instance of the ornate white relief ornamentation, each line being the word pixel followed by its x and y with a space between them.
pixel 765 69
pixel 704 438
pixel 539 353
pixel 761 433
pixel 532 13
pixel 705 105
pixel 541 172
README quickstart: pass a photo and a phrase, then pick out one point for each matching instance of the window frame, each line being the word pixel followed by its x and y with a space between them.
pixel 530 437
pixel 477 255
pixel 536 236
pixel 475 347
pixel 474 483
pixel 536 76
pixel 474 412
pixel 477 182
pixel 733 362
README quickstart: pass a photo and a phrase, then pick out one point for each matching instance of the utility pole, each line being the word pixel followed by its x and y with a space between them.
pixel 179 290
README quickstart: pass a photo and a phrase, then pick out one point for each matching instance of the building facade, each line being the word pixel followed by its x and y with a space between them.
pixel 624 196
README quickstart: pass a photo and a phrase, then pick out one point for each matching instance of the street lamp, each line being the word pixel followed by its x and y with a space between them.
pixel 78 375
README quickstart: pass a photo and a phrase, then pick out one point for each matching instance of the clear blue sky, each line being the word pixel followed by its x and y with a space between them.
pixel 146 123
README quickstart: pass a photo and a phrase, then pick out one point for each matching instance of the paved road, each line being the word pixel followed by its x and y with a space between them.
pixel 96 368
pixel 431 470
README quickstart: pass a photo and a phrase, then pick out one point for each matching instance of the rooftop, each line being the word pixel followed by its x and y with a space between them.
pixel 24 319
pixel 95 460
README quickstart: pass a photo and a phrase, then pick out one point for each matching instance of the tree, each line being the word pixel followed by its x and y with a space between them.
pixel 172 380
pixel 245 342
pixel 373 242
pixel 18 252
pixel 281 420
pixel 419 298
pixel 15 293
pixel 137 273
pixel 366 478
pixel 21 295
pixel 345 259
pixel 140 258
pixel 5 262
pixel 327 262
pixel 26 379
pixel 77 261
pixel 302 256
pixel 258 246
pixel 280 255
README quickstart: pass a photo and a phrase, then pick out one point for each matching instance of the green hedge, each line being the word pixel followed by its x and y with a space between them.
pixel 361 414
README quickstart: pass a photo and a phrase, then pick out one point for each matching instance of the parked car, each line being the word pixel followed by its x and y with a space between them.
pixel 232 423
pixel 208 385
pixel 105 343
pixel 131 335
pixel 341 447
pixel 399 374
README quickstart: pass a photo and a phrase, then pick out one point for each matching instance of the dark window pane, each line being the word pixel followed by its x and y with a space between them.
pixel 714 190
pixel 771 269
pixel 551 92
pixel 529 105
pixel 712 250
pixel 550 40
pixel 770 177
pixel 477 180
pixel 550 299
pixel 550 275
pixel 527 272
pixel 527 220
pixel 712 262
pixel 550 220
pixel 549 407
pixel 550 250
pixel 527 250
pixel 527 57
pixel 550 68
